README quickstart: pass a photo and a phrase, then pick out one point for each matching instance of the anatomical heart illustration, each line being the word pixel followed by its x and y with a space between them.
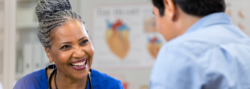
pixel 154 46
pixel 150 24
pixel 117 38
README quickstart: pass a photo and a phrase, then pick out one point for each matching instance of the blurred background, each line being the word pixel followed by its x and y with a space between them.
pixel 128 56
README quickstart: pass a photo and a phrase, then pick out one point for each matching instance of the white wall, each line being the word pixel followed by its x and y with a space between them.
pixel 1 37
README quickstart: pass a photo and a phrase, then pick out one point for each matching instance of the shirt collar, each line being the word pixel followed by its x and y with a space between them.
pixel 212 19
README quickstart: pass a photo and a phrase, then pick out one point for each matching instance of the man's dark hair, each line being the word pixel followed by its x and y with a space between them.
pixel 194 7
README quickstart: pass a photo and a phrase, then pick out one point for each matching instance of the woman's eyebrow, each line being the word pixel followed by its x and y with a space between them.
pixel 71 42
pixel 82 38
pixel 65 43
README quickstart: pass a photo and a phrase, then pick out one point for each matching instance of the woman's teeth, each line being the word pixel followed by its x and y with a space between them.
pixel 79 64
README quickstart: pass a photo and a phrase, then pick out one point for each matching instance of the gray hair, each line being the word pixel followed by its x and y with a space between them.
pixel 51 14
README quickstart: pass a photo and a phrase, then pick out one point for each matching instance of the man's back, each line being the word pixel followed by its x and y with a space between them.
pixel 212 54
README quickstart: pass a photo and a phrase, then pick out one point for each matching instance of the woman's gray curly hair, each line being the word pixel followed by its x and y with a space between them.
pixel 51 14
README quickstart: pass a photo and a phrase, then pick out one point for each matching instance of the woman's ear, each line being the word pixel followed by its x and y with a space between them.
pixel 47 50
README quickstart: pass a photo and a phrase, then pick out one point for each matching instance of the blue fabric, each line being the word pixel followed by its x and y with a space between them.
pixel 211 54
pixel 38 80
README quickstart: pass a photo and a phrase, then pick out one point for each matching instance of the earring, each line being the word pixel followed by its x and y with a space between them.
pixel 50 63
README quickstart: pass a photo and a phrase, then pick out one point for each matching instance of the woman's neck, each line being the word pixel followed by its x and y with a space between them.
pixel 65 82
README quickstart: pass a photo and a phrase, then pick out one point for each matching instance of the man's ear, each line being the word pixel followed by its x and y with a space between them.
pixel 47 50
pixel 170 9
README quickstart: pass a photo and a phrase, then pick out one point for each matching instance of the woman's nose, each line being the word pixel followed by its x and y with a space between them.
pixel 78 52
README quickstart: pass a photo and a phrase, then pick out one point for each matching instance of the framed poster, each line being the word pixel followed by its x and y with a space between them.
pixel 125 36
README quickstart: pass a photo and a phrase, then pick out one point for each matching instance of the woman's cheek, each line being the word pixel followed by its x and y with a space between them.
pixel 64 56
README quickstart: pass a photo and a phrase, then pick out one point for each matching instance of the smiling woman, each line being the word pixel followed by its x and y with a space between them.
pixel 67 44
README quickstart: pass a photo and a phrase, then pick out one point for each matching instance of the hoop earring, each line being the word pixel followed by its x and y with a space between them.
pixel 51 63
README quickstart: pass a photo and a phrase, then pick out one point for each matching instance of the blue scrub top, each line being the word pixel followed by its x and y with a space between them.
pixel 38 80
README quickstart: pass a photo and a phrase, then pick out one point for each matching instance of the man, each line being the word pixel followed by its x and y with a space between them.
pixel 204 50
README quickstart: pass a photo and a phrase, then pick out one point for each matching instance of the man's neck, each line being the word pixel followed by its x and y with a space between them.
pixel 186 21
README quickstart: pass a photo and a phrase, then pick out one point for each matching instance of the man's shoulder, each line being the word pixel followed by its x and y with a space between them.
pixel 207 38
pixel 186 47
pixel 216 35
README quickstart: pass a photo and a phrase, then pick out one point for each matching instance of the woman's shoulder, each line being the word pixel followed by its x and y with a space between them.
pixel 102 76
pixel 34 80
pixel 102 80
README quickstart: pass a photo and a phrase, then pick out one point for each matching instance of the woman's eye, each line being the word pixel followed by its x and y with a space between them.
pixel 84 42
pixel 65 47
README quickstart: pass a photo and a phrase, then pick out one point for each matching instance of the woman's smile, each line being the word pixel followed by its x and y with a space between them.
pixel 79 65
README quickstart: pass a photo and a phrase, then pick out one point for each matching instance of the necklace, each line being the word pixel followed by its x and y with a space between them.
pixel 88 79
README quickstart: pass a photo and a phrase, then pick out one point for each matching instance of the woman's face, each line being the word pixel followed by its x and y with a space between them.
pixel 71 50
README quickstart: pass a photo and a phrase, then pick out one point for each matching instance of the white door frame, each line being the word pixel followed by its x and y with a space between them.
pixel 9 56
